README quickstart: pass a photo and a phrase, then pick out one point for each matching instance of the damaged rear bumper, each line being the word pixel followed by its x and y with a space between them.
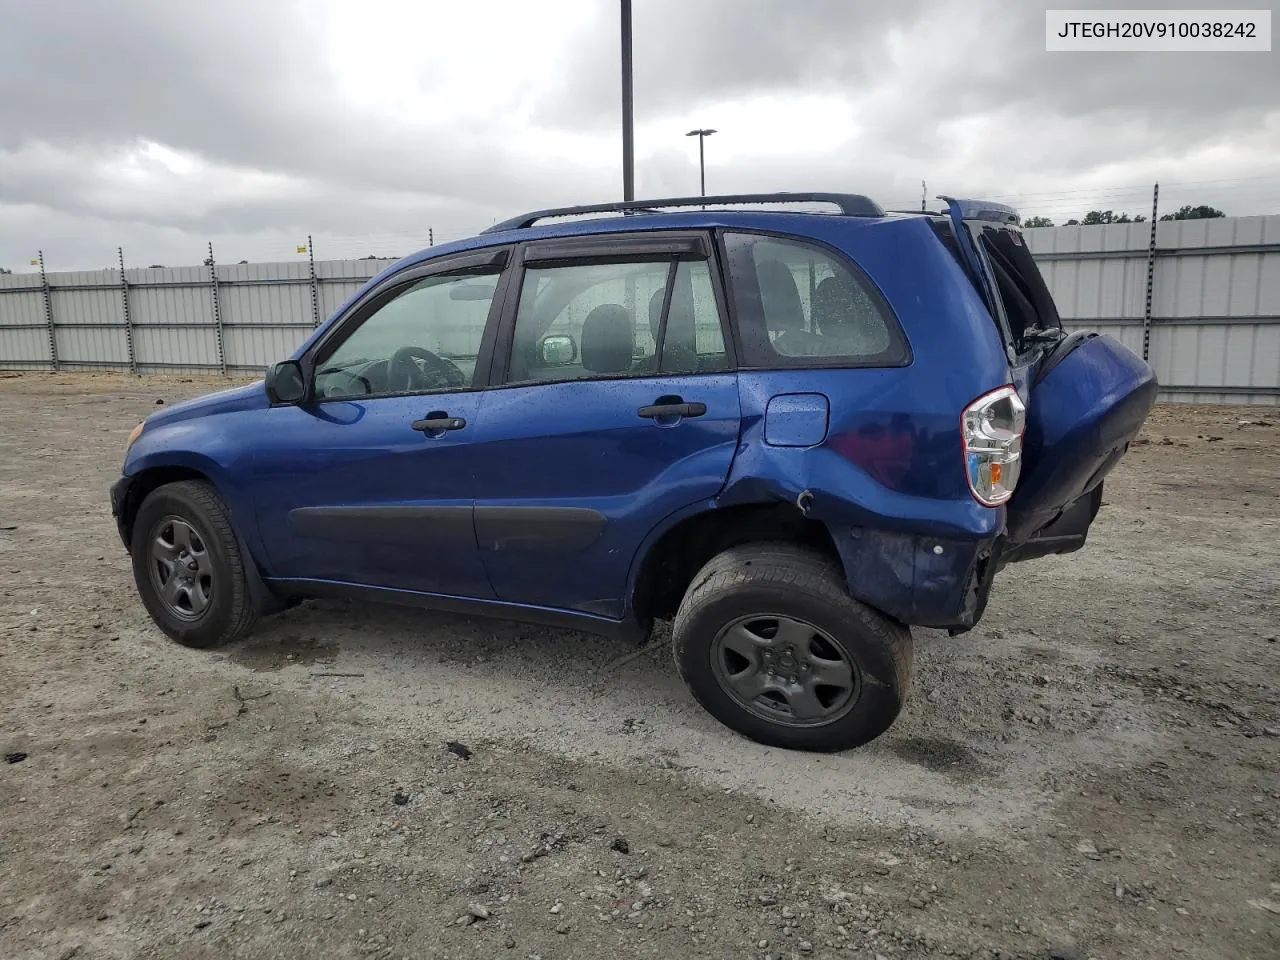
pixel 919 580
pixel 938 582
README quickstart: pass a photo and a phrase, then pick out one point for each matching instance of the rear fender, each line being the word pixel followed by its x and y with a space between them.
pixel 915 559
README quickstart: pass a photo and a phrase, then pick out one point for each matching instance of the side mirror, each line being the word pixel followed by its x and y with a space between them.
pixel 557 350
pixel 285 383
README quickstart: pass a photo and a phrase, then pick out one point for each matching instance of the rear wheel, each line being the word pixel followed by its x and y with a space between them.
pixel 188 567
pixel 772 645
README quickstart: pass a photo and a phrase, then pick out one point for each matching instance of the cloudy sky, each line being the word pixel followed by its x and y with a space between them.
pixel 162 124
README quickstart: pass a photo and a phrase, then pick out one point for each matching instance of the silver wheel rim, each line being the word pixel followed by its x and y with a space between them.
pixel 785 670
pixel 181 568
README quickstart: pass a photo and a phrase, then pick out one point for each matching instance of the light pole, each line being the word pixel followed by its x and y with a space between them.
pixel 702 157
pixel 628 109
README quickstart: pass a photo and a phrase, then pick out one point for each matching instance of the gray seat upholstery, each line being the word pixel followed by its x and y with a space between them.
pixel 840 314
pixel 608 339
pixel 680 349
pixel 832 305
pixel 779 297
pixel 784 311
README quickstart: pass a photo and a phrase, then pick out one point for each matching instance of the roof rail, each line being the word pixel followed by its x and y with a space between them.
pixel 850 204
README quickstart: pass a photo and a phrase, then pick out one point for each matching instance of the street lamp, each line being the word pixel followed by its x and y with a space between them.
pixel 702 158
pixel 628 110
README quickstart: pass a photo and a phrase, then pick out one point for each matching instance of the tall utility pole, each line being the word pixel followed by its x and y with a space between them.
pixel 702 157
pixel 628 120
pixel 1151 272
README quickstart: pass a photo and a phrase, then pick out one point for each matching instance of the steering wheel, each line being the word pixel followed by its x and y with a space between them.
pixel 405 376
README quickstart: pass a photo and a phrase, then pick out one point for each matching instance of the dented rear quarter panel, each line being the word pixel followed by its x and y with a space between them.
pixel 887 476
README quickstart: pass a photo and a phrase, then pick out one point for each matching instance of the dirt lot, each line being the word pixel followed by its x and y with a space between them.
pixel 1091 773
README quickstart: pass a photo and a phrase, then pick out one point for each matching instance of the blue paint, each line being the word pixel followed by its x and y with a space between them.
pixel 874 454
pixel 364 453
pixel 796 420
pixel 528 453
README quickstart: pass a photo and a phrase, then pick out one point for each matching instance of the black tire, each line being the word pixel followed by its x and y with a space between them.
pixel 230 611
pixel 784 580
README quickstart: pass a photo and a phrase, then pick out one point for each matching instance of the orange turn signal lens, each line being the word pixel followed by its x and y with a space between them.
pixel 134 434
pixel 997 474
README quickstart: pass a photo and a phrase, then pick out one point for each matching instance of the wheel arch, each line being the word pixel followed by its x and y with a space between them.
pixel 143 483
pixel 151 477
pixel 673 553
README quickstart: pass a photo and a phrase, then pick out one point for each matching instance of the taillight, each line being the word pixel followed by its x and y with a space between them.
pixel 992 427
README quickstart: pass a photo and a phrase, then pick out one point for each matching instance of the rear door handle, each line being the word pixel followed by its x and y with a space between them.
pixel 438 421
pixel 672 407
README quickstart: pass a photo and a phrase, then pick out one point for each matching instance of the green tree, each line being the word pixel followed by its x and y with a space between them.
pixel 5 270
pixel 1109 216
pixel 1038 222
pixel 1188 212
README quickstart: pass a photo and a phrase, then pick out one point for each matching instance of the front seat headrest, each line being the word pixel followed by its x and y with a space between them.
pixel 608 339
pixel 680 319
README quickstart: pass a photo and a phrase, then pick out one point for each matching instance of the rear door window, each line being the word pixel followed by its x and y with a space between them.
pixel 800 304
pixel 595 320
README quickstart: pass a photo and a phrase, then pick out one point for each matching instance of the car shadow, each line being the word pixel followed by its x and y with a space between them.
pixel 334 633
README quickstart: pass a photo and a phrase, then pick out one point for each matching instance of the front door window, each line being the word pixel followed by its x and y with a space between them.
pixel 425 339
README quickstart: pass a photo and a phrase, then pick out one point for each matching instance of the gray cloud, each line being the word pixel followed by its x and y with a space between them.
pixel 963 96
pixel 1155 101
pixel 237 82
pixel 691 54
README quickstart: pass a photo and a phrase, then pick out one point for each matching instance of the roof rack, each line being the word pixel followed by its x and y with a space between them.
pixel 850 204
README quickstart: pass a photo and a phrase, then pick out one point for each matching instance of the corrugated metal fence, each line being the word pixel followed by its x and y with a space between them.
pixel 235 318
pixel 1208 320
pixel 1202 303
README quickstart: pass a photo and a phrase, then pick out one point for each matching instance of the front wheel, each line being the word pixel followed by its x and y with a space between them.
pixel 188 567
pixel 772 645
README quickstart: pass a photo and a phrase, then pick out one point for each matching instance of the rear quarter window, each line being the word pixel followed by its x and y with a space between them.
pixel 799 304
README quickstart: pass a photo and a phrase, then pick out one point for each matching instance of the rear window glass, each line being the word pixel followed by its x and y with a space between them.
pixel 613 319
pixel 799 304
pixel 1028 305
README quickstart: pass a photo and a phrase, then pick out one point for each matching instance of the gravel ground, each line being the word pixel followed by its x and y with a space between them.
pixel 1090 773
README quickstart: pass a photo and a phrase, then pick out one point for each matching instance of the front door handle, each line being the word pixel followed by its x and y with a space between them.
pixel 672 407
pixel 437 421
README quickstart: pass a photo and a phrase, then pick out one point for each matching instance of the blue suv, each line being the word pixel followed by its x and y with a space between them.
pixel 795 434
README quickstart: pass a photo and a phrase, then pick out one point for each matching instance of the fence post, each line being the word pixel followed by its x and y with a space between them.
pixel 431 236
pixel 217 311
pixel 1151 273
pixel 315 290
pixel 48 314
pixel 128 321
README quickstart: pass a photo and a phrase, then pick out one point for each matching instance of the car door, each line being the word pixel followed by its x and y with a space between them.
pixel 369 481
pixel 617 407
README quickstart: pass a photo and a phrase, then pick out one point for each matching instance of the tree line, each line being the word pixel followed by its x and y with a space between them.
pixel 1185 212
